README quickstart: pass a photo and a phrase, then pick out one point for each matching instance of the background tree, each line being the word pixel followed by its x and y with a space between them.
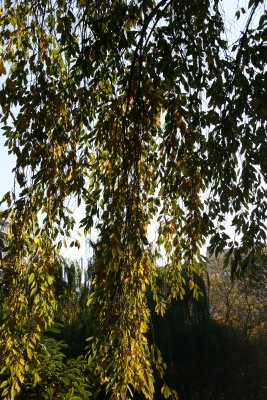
pixel 239 309
pixel 144 110
pixel 240 304
pixel 72 288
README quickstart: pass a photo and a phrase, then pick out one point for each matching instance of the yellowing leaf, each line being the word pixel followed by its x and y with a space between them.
pixel 143 327
pixel 31 278
pixel 60 108
pixel 37 299
pixel 13 393
pixel 33 291
pixel 166 392
pixel 3 384
pixel 191 284
pixel 19 375
pixel 36 378
pixel 90 299
pixel 157 121
pixel 22 361
pixel 69 177
pixel 37 241
pixel 2 69
pixel 29 352
pixel 131 101
pixel 105 380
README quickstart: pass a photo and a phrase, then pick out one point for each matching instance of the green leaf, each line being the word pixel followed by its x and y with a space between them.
pixel 31 278
pixel 237 14
pixel 4 384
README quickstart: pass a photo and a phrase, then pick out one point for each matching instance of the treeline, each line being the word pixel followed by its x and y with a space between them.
pixel 205 353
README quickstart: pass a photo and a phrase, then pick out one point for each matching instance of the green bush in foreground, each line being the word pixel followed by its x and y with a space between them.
pixel 55 377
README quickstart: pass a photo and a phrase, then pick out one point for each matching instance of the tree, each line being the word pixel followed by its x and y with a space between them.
pixel 143 110
pixel 196 348
pixel 239 308
pixel 240 304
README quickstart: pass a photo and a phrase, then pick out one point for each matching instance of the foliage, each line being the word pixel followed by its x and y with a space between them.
pixel 71 291
pixel 208 359
pixel 72 288
pixel 241 304
pixel 53 377
pixel 239 309
pixel 103 101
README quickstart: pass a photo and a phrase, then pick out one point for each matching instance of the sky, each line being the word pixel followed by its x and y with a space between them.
pixel 7 161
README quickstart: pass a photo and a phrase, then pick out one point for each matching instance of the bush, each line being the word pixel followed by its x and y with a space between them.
pixel 55 377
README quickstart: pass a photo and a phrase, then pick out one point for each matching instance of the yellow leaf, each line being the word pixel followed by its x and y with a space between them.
pixel 157 121
pixel 69 177
pixel 37 241
pixel 105 380
pixel 165 391
pixel 143 327
pixel 191 284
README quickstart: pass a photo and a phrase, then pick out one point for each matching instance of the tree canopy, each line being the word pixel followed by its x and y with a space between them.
pixel 142 110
